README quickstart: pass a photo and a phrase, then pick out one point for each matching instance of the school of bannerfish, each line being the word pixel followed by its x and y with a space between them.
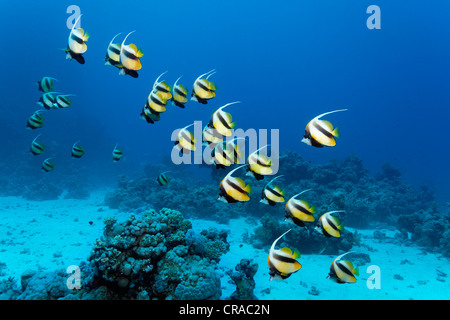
pixel 318 133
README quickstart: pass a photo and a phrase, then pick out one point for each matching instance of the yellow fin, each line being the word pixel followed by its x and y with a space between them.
pixel 336 132
pixel 86 36
pixel 133 47
pixel 287 250
pixel 140 53
pixel 240 181
pixel 248 188
pixel 296 254
pixel 328 124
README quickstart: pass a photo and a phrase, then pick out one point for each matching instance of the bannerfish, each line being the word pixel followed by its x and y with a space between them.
pixel 342 271
pixel 129 58
pixel 113 53
pixel 211 137
pixel 299 211
pixel 220 156
pixel 117 154
pixel 36 120
pixel 156 102
pixel 162 87
pixel 47 165
pixel 63 101
pixel 163 179
pixel 48 100
pixel 185 141
pixel 203 89
pixel 77 151
pixel 234 189
pixel 76 45
pixel 222 121
pixel 272 195
pixel 37 148
pixel 226 153
pixel 46 84
pixel 282 262
pixel 329 225
pixel 259 165
pixel 319 133
pixel 179 94
pixel 149 115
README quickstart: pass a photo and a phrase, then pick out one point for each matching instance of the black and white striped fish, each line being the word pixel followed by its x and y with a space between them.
pixel 179 94
pixel 329 225
pixel 117 154
pixel 48 100
pixel 222 121
pixel 282 262
pixel 204 89
pixel 113 53
pixel 259 165
pixel 185 140
pixel 319 133
pixel 63 101
pixel 343 271
pixel 77 151
pixel 163 179
pixel 299 211
pixel 76 45
pixel 46 84
pixel 162 87
pixel 234 189
pixel 36 147
pixel 36 120
pixel 272 195
pixel 129 58
pixel 47 165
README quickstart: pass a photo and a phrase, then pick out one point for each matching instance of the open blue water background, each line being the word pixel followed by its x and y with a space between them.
pixel 287 62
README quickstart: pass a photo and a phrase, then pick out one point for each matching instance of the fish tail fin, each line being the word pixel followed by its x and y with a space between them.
pixel 86 36
pixel 336 132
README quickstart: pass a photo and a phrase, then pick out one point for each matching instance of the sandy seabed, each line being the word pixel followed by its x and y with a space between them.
pixel 51 235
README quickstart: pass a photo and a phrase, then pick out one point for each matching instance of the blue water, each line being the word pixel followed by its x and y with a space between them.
pixel 286 62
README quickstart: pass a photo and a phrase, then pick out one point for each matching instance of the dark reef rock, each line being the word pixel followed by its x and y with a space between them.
pixel 305 239
pixel 243 278
pixel 337 185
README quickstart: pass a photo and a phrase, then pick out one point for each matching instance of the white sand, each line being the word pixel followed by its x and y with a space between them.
pixel 56 234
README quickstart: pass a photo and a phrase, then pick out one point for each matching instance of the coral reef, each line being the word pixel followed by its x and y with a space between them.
pixel 242 276
pixel 151 256
pixel 429 228
pixel 368 201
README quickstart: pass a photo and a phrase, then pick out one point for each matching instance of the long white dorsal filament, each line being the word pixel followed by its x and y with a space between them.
pixel 324 114
pixel 301 193
pixel 114 38
pixel 211 71
pixel 123 42
pixel 36 137
pixel 157 79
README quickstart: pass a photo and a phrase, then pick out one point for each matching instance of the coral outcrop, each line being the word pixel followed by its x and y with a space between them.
pixel 242 276
pixel 151 256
